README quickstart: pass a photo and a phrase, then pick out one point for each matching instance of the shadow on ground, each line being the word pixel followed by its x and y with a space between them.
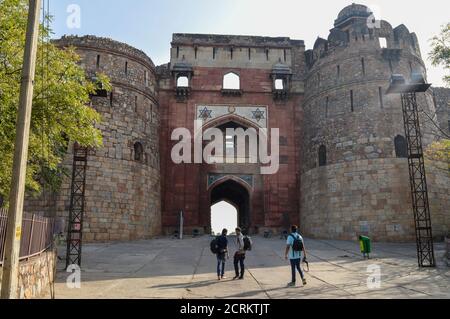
pixel 167 268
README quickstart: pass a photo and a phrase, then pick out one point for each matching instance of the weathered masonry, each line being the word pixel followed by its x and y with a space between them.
pixel 123 194
pixel 343 170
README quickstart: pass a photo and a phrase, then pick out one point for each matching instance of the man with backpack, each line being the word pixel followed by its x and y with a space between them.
pixel 239 256
pixel 221 248
pixel 294 248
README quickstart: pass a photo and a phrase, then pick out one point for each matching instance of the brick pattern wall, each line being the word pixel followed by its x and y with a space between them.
pixel 185 186
pixel 122 193
pixel 369 197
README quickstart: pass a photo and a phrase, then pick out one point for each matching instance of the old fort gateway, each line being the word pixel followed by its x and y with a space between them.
pixel 343 167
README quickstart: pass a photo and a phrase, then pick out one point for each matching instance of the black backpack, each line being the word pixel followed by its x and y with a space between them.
pixel 247 243
pixel 215 245
pixel 297 246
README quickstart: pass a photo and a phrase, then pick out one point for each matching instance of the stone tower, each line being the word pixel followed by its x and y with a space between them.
pixel 355 175
pixel 123 177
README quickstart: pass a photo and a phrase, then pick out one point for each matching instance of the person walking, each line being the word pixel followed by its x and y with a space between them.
pixel 222 254
pixel 239 256
pixel 294 248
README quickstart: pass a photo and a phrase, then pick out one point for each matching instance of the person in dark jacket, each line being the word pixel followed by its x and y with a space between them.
pixel 222 254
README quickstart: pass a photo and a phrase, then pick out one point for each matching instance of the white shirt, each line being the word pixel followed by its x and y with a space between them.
pixel 290 241
pixel 240 242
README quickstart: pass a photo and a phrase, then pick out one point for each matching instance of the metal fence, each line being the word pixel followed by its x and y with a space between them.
pixel 37 234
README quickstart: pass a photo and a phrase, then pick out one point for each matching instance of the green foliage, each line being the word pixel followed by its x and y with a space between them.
pixel 439 151
pixel 61 111
pixel 440 54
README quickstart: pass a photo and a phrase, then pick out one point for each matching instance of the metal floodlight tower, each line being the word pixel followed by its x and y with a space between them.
pixel 417 176
pixel 77 206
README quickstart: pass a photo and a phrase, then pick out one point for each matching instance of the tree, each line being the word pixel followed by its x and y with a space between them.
pixel 440 55
pixel 439 151
pixel 61 112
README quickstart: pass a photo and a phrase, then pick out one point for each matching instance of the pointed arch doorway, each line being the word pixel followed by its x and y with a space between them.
pixel 237 195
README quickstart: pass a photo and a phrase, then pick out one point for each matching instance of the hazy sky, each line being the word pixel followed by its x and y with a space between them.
pixel 149 24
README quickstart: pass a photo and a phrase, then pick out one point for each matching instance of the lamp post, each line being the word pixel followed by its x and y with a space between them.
pixel 416 163
pixel 10 278
pixel 181 224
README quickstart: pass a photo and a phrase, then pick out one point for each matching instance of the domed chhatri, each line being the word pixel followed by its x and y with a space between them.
pixel 353 11
pixel 281 68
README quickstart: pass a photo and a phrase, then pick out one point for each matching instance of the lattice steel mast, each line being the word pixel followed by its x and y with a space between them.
pixel 417 175
pixel 77 206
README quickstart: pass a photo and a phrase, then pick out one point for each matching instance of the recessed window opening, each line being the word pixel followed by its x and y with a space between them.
pixel 380 94
pixel 352 106
pixel 401 148
pixel 279 84
pixel 138 152
pixel 230 145
pixel 183 82
pixel 322 155
pixel 231 151
pixel 231 81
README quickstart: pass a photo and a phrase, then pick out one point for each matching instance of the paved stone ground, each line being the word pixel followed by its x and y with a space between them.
pixel 169 268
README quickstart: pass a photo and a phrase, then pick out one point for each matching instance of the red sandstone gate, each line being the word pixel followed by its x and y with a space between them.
pixel 236 192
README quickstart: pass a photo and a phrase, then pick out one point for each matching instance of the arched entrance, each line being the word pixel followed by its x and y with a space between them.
pixel 223 215
pixel 236 194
